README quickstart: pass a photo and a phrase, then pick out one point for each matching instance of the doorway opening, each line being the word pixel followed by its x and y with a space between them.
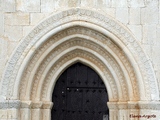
pixel 80 94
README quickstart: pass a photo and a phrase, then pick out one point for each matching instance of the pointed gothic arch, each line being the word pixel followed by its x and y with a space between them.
pixel 78 35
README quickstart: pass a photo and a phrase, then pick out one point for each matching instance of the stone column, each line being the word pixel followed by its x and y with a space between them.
pixel 25 110
pixel 36 110
pixel 9 109
pixel 122 110
pixel 133 110
pixel 46 110
pixel 113 110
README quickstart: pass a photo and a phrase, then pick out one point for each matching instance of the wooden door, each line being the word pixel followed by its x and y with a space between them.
pixel 79 94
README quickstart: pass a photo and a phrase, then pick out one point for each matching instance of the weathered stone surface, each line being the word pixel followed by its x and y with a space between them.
pixel 156 50
pixel 28 5
pixel 137 31
pixel 155 56
pixel 37 17
pixel 14 33
pixel 10 6
pixel 134 16
pixel 147 49
pixel 74 3
pixel 7 5
pixel 26 30
pixel 17 19
pixel 1 5
pixel 120 3
pixel 149 34
pixel 3 115
pixel 13 114
pixel 88 3
pixel 149 15
pixel 136 3
pixel 110 11
pixel 122 15
pixel 3 54
pixel 11 46
pixel 103 4
pixel 151 3
pixel 48 5
pixel 158 34
pixel 1 24
pixel 142 17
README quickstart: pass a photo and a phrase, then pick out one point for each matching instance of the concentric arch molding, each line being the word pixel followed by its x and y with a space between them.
pixel 91 19
pixel 79 37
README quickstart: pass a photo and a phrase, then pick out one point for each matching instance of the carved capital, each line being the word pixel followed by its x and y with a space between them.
pixel 10 104
pixel 152 105
pixel 47 105
pixel 133 105
pixel 26 104
pixel 112 105
pixel 36 105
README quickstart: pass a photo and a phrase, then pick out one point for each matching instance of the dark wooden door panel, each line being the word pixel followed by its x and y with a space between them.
pixel 79 94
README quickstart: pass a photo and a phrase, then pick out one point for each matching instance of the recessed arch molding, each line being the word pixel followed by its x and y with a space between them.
pixel 78 35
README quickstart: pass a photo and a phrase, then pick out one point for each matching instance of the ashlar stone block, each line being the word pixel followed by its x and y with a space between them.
pixel 3 54
pixel 155 51
pixel 151 3
pixel 136 3
pixel 28 5
pixel 1 5
pixel 11 46
pixel 149 15
pixel 14 33
pixel 155 57
pixel 147 49
pixel 158 34
pixel 137 31
pixel 119 3
pixel 74 3
pixel 7 5
pixel 26 30
pixel 103 3
pixel 49 5
pixel 110 11
pixel 88 3
pixel 17 19
pixel 1 24
pixel 10 6
pixel 149 34
pixel 122 15
pixel 134 15
pixel 37 17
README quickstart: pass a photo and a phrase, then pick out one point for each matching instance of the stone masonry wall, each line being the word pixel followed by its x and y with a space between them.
pixel 142 17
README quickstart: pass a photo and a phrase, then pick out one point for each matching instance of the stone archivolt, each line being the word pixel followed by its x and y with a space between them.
pixel 97 44
pixel 79 35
